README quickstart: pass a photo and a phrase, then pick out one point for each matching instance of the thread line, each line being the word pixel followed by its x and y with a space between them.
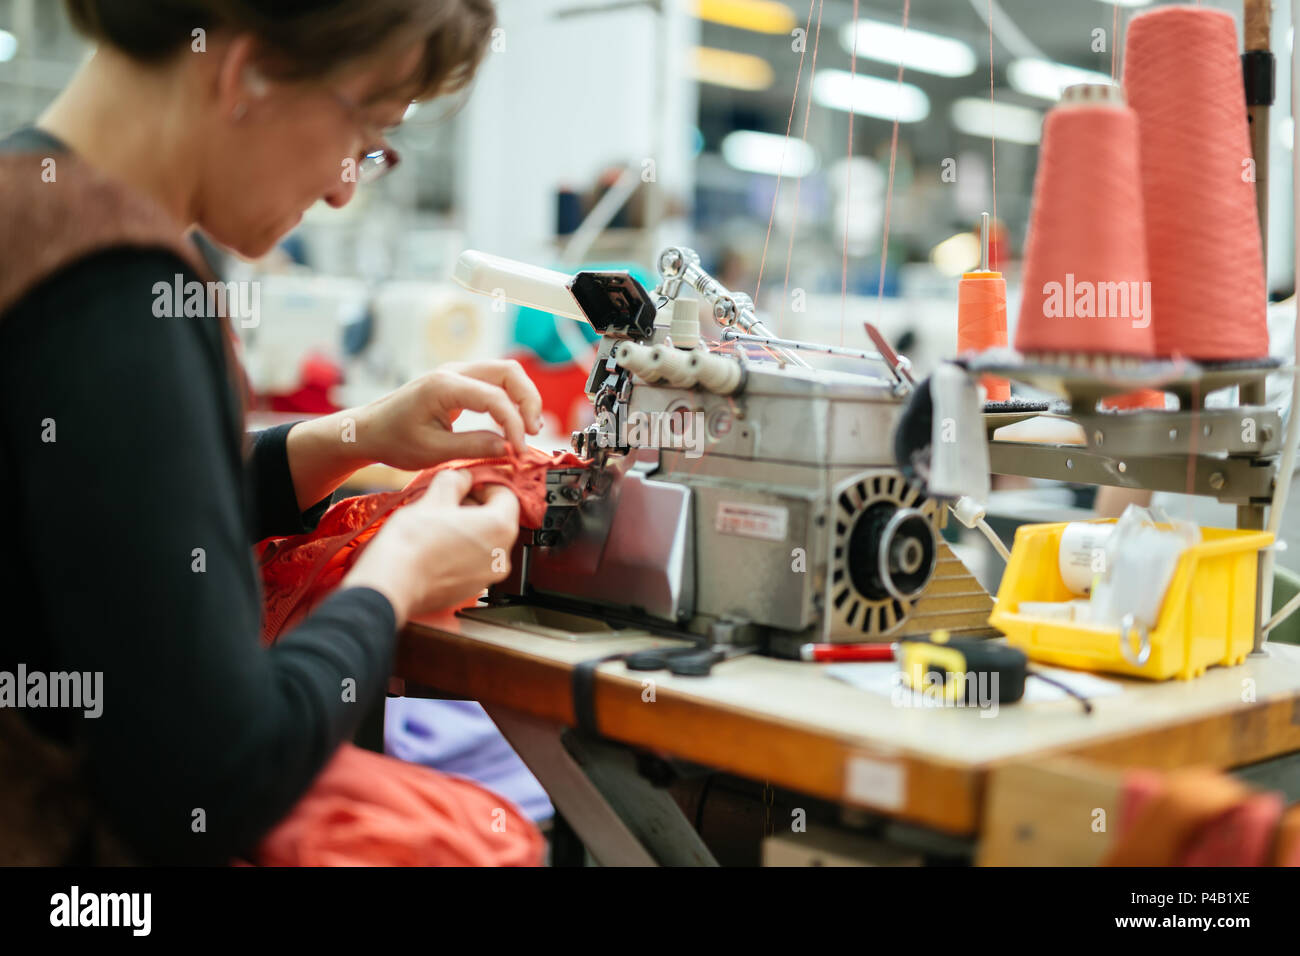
pixel 993 149
pixel 893 160
pixel 798 183
pixel 848 180
pixel 776 194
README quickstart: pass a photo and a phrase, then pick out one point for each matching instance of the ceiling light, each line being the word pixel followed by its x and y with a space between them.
pixel 8 46
pixel 1045 79
pixel 976 116
pixel 739 71
pixel 915 49
pixel 761 16
pixel 768 153
pixel 871 96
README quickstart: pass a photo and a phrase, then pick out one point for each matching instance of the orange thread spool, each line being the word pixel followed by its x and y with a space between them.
pixel 982 322
pixel 982 314
pixel 1183 79
pixel 1085 277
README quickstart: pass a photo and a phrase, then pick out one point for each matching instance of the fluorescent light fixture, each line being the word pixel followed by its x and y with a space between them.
pixel 738 71
pixel 1046 80
pixel 760 16
pixel 1127 3
pixel 8 46
pixel 915 49
pixel 871 96
pixel 755 152
pixel 976 116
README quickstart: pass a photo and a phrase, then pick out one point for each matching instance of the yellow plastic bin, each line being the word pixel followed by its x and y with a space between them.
pixel 1207 618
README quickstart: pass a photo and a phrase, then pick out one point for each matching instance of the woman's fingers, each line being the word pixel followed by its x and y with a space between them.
pixel 501 503
pixel 510 375
pixel 495 504
pixel 444 446
pixel 448 489
pixel 443 548
pixel 478 396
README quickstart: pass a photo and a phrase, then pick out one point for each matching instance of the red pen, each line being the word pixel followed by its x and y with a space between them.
pixel 847 652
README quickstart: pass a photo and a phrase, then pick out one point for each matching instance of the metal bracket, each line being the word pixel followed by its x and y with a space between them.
pixel 1248 431
pixel 1233 480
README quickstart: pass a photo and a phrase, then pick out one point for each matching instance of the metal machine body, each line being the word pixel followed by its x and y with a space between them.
pixel 763 503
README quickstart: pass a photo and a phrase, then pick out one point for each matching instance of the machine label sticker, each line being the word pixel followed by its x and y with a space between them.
pixel 752 521
pixel 877 783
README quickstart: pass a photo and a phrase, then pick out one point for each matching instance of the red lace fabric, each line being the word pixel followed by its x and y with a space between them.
pixel 366 809
pixel 298 571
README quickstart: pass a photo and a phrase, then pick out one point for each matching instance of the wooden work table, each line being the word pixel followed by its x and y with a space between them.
pixel 790 724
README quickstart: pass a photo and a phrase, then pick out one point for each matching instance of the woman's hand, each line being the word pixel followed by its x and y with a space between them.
pixel 442 549
pixel 411 428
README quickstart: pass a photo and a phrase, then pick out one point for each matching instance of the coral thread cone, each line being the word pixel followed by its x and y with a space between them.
pixel 1183 79
pixel 1085 277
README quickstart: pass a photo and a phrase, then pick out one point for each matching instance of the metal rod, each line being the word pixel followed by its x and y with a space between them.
pixel 1258 66
pixel 1260 24
pixel 759 330
pixel 984 242
pixel 1283 613
pixel 731 335
pixel 678 264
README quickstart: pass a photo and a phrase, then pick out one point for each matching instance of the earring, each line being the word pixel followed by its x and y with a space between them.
pixel 238 113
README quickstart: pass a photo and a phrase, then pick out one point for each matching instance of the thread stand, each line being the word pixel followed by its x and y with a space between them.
pixel 1084 380
pixel 1233 451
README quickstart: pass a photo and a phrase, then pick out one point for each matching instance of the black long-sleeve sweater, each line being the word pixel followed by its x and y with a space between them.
pixel 130 512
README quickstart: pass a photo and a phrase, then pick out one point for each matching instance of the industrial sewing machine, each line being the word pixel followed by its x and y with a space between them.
pixel 745 499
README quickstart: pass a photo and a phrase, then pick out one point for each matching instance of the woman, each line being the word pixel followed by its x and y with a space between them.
pixel 121 449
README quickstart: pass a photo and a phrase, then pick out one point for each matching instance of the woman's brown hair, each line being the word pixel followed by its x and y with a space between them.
pixel 305 39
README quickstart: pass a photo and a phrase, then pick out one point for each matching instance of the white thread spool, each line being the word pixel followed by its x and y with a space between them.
pixel 673 366
pixel 636 359
pixel 1082 554
pixel 718 374
pixel 684 327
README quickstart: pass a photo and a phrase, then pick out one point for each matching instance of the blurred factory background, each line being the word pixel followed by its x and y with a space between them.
pixel 674 113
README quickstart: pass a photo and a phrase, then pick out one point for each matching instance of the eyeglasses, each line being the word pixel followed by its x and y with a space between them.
pixel 376 164
pixel 377 159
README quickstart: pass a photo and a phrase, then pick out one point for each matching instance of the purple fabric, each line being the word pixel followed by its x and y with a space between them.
pixel 458 737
